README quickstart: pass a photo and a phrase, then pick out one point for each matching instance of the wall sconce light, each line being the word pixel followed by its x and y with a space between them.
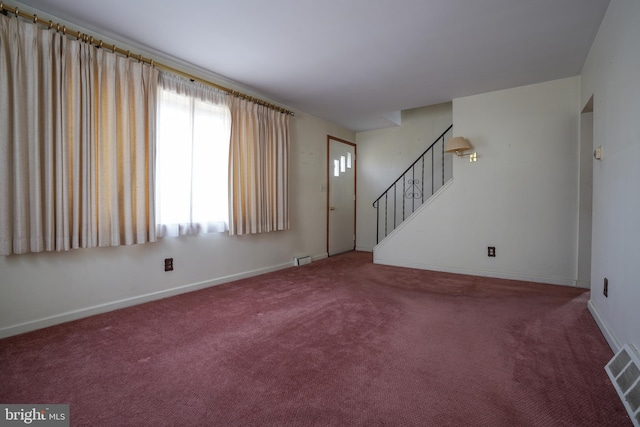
pixel 459 145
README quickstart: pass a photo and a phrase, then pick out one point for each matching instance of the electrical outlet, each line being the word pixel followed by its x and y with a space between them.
pixel 168 264
pixel 605 288
pixel 491 251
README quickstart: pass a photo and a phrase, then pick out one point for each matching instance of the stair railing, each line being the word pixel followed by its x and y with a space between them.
pixel 410 190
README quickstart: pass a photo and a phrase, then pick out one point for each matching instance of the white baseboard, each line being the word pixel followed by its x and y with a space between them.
pixel 584 284
pixel 475 272
pixel 136 300
pixel 606 332
pixel 320 256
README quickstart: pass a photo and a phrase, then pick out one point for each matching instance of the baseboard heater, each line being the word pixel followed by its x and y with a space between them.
pixel 624 372
pixel 301 260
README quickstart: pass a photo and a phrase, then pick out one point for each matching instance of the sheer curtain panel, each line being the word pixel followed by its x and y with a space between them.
pixel 77 135
pixel 258 169
pixel 194 124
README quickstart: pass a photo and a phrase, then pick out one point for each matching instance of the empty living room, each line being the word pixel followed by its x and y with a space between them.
pixel 410 213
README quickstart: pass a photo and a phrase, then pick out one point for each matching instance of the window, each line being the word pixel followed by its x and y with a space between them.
pixel 191 164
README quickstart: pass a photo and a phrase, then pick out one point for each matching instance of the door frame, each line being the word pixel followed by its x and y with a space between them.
pixel 355 186
pixel 585 210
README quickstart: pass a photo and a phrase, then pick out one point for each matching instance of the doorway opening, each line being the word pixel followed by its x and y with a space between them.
pixel 585 196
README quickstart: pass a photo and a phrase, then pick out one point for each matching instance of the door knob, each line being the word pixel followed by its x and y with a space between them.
pixel 332 208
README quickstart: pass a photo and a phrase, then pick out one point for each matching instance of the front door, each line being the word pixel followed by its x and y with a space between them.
pixel 341 196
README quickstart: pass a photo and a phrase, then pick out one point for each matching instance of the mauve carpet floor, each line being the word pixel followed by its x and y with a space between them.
pixel 340 342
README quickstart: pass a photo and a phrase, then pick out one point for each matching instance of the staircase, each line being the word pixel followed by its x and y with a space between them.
pixel 416 185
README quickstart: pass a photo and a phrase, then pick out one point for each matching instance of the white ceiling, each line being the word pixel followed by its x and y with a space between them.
pixel 353 62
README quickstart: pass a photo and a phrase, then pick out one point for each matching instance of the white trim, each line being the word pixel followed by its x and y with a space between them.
pixel 475 272
pixel 606 332
pixel 320 256
pixel 584 284
pixel 44 322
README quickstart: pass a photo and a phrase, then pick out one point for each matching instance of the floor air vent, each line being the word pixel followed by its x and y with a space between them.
pixel 301 260
pixel 624 371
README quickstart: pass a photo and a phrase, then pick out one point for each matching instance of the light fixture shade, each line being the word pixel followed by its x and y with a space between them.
pixel 457 143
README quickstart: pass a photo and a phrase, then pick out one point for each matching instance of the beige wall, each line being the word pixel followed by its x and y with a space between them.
pixel 611 75
pixel 521 196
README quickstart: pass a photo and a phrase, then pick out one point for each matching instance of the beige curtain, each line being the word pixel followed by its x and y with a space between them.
pixel 77 132
pixel 258 169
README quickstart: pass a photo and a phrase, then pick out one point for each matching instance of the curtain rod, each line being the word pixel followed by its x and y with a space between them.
pixel 115 49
